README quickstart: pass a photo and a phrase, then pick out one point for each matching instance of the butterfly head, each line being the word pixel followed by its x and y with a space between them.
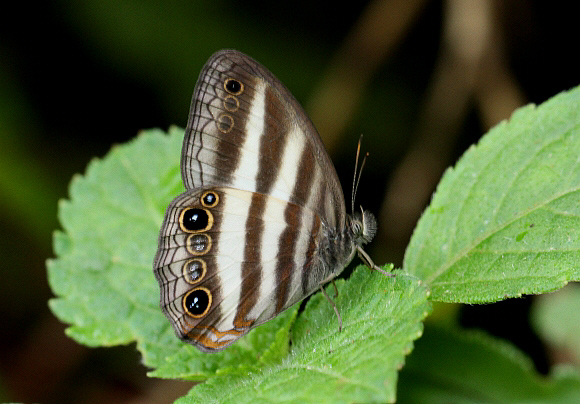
pixel 363 226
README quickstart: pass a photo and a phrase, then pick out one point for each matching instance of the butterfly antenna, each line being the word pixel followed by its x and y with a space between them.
pixel 360 173
pixel 357 178
pixel 354 180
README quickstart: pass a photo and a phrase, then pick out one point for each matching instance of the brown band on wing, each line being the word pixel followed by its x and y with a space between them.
pixel 273 142
pixel 285 265
pixel 290 236
pixel 251 267
pixel 311 263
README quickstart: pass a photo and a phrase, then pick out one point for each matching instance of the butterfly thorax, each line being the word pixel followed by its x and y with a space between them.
pixel 339 246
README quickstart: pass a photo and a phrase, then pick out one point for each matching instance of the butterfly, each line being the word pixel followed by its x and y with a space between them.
pixel 262 223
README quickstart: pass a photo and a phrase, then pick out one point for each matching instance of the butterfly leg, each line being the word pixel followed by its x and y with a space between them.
pixel 369 262
pixel 335 289
pixel 333 306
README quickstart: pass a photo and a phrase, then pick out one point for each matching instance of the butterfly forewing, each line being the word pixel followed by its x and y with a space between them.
pixel 247 131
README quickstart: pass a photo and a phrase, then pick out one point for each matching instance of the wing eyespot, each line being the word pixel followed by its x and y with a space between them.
pixel 194 270
pixel 198 244
pixel 195 220
pixel 224 123
pixel 197 302
pixel 231 103
pixel 209 199
pixel 233 86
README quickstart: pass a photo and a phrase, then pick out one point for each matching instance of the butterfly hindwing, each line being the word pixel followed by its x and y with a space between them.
pixel 224 269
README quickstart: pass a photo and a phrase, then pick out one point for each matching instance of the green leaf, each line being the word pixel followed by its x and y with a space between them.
pixel 505 220
pixel 452 366
pixel 556 317
pixel 103 273
pixel 381 319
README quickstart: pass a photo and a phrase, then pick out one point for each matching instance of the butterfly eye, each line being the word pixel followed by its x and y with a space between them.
pixel 209 199
pixel 193 220
pixel 194 270
pixel 197 302
pixel 356 227
pixel 233 86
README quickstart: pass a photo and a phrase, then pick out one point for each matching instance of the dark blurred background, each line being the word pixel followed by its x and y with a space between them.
pixel 421 80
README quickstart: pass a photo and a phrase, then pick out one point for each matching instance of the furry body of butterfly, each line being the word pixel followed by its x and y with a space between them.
pixel 262 223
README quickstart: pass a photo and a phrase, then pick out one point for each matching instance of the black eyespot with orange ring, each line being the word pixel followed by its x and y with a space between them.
pixel 195 220
pixel 233 86
pixel 197 302
pixel 209 199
